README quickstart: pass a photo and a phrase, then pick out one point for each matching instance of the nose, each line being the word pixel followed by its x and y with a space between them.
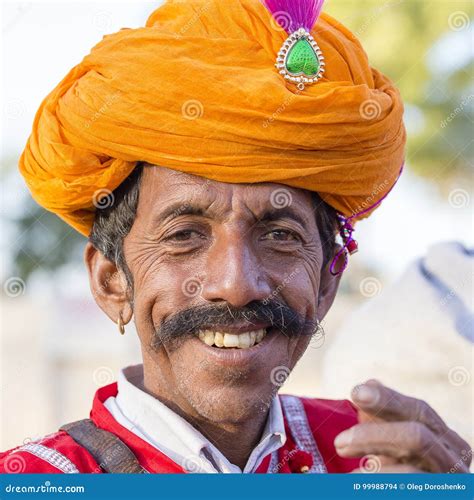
pixel 234 273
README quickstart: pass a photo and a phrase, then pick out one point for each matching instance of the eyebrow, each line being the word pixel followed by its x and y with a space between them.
pixel 183 208
pixel 178 209
pixel 282 213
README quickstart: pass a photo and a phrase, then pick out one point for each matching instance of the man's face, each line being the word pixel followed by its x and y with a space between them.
pixel 217 263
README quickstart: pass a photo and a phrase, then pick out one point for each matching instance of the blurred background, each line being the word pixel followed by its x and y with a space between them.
pixel 57 346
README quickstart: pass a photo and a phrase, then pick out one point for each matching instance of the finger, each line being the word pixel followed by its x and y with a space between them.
pixel 408 442
pixel 378 402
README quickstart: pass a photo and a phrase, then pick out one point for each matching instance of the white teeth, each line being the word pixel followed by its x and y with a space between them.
pixel 241 340
pixel 207 337
pixel 231 340
pixel 218 339
pixel 244 340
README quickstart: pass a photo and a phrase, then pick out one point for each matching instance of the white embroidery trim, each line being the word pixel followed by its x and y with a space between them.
pixel 301 432
pixel 273 465
pixel 53 457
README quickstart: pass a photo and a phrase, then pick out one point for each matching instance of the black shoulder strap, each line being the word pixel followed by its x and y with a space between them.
pixel 112 454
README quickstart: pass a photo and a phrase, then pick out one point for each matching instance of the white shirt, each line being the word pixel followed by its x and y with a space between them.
pixel 155 423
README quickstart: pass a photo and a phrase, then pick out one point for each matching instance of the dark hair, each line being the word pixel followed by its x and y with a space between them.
pixel 328 226
pixel 114 221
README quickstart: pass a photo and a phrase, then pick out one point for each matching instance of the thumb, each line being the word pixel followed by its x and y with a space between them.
pixel 363 396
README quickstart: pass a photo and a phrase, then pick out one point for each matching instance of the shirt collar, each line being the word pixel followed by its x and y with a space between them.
pixel 176 437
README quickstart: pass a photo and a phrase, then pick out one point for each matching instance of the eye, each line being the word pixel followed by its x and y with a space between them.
pixel 281 235
pixel 184 235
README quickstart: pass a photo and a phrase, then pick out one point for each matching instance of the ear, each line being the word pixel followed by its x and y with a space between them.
pixel 328 287
pixel 108 285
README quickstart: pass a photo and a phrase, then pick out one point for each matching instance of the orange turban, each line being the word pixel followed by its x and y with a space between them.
pixel 196 90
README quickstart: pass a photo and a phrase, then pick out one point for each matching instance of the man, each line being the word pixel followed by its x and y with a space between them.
pixel 211 186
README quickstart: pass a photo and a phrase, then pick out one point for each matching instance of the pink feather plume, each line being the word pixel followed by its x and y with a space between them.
pixel 294 14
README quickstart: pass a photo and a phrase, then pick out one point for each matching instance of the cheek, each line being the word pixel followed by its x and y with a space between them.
pixel 299 288
pixel 297 277
pixel 301 294
pixel 161 289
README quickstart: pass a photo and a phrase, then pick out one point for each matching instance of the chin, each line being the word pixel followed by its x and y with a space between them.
pixel 231 403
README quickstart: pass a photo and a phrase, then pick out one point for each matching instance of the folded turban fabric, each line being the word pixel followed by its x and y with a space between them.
pixel 196 90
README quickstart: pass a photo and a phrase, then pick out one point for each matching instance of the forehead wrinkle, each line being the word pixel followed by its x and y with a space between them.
pixel 259 207
pixel 171 176
pixel 167 186
pixel 264 206
pixel 250 199
pixel 183 202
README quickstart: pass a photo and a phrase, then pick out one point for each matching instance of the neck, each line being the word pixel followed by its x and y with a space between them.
pixel 235 440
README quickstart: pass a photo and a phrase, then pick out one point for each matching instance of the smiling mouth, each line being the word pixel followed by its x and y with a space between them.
pixel 224 340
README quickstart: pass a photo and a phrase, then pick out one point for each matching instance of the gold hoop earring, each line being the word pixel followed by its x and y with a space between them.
pixel 120 325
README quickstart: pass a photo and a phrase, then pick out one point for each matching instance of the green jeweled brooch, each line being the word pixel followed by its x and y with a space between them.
pixel 300 59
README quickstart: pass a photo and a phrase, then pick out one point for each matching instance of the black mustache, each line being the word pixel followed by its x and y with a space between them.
pixel 273 313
